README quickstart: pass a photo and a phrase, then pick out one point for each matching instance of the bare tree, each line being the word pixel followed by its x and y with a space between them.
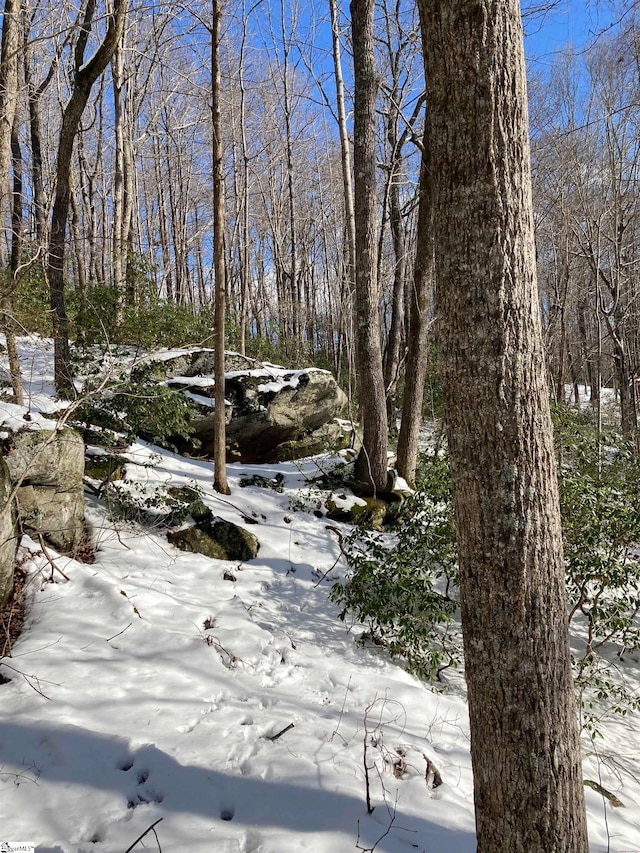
pixel 85 73
pixel 8 102
pixel 220 445
pixel 371 465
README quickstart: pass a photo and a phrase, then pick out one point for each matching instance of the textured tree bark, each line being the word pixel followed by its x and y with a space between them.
pixel 345 149
pixel 8 103
pixel 120 223
pixel 417 343
pixel 220 444
pixel 371 465
pixel 524 735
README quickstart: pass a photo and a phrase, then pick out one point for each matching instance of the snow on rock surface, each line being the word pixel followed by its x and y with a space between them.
pixel 150 687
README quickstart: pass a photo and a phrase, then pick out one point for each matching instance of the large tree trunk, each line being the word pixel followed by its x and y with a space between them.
pixel 371 465
pixel 524 733
pixel 220 445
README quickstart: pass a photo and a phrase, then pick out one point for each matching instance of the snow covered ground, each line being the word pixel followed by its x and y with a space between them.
pixel 226 706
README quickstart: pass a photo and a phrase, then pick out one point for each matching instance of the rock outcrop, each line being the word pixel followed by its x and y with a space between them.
pixel 8 535
pixel 47 465
pixel 273 414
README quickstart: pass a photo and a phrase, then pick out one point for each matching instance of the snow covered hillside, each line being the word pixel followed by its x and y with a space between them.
pixel 223 707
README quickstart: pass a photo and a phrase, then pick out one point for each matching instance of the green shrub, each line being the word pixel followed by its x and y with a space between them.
pixel 400 586
pixel 599 482
pixel 403 588
pixel 150 322
pixel 31 303
pixel 140 408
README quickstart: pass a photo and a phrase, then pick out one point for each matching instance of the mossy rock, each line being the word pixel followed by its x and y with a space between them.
pixel 105 467
pixel 47 458
pixel 217 539
pixel 376 513
pixel 192 503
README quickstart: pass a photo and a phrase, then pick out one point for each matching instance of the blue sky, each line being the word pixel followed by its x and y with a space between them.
pixel 576 21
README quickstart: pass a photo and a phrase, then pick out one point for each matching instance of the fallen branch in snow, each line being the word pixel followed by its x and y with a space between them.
pixel 393 814
pixel 50 559
pixel 135 609
pixel 344 702
pixel 432 775
pixel 32 680
pixel 276 736
pixel 140 837
pixel 597 787
pixel 243 515
pixel 335 530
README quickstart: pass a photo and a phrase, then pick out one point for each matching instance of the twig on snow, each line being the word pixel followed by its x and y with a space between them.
pixel 32 680
pixel 280 733
pixel 50 559
pixel 392 820
pixel 335 530
pixel 599 789
pixel 108 640
pixel 140 837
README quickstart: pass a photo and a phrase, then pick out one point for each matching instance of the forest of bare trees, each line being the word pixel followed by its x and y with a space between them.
pixel 585 149
pixel 107 181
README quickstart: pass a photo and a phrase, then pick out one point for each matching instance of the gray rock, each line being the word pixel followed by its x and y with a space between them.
pixel 191 502
pixel 218 539
pixel 47 458
pixel 8 535
pixel 331 436
pixel 191 362
pixel 262 420
pixel 48 466
pixel 271 415
pixel 56 514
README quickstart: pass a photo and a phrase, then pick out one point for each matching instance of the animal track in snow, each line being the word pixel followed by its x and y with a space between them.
pixel 227 812
pixel 145 793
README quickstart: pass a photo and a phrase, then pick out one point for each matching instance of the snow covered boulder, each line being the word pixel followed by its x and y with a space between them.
pixel 47 465
pixel 195 361
pixel 273 413
pixel 271 409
